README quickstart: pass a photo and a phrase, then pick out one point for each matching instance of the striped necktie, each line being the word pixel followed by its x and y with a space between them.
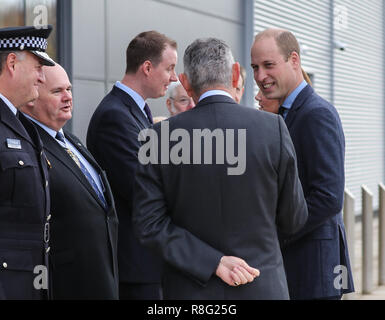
pixel 60 137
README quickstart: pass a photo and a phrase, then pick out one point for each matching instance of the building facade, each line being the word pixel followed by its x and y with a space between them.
pixel 342 43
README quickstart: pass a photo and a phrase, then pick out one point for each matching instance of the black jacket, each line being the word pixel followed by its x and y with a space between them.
pixel 83 233
pixel 24 207
pixel 112 139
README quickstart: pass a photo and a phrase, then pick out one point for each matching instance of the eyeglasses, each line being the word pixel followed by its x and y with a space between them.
pixel 183 101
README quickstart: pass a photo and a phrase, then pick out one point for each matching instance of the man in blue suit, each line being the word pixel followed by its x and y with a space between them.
pixel 112 138
pixel 316 258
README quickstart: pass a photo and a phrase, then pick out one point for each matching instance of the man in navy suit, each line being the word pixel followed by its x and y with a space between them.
pixel 84 223
pixel 112 138
pixel 316 258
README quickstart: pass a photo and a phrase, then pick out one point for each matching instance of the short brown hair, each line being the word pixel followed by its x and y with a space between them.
pixel 147 45
pixel 285 40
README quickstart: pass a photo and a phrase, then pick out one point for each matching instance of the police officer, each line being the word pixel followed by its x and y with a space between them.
pixel 24 195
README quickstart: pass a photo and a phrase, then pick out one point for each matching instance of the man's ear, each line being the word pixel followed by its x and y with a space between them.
pixel 295 60
pixel 168 104
pixel 186 84
pixel 146 67
pixel 10 63
pixel 236 74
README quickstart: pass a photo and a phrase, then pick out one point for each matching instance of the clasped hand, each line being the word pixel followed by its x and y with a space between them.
pixel 235 271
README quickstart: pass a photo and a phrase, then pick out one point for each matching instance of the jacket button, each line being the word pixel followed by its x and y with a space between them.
pixel 5 265
pixel 47 250
pixel 21 163
pixel 46 183
pixel 48 217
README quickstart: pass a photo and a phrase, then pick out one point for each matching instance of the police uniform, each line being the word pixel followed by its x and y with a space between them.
pixel 24 188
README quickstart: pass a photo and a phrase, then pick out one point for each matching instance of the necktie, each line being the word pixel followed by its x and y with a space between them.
pixel 60 137
pixel 148 113
pixel 281 111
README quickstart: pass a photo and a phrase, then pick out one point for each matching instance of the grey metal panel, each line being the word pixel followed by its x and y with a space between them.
pixel 359 84
pixel 310 23
pixel 88 39
pixel 181 24
pixel 223 9
pixel 177 22
pixel 87 95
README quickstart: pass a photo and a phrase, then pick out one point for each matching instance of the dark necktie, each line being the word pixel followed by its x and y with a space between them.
pixel 148 113
pixel 60 137
pixel 281 111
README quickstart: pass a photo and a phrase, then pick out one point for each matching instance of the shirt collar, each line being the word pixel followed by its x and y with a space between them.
pixel 290 99
pixel 50 131
pixel 9 104
pixel 133 94
pixel 213 93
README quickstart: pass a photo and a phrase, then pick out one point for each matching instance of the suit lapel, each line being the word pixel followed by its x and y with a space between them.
pixel 297 104
pixel 140 119
pixel 85 153
pixel 10 120
pixel 57 151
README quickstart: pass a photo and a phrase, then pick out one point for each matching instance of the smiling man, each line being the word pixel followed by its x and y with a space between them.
pixel 113 140
pixel 312 255
pixel 84 224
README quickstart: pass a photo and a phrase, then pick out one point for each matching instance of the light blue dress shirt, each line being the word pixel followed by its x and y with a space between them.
pixel 134 95
pixel 214 93
pixel 290 99
pixel 9 104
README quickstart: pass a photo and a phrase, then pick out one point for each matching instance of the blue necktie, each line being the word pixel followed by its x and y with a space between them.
pixel 281 111
pixel 60 137
pixel 148 113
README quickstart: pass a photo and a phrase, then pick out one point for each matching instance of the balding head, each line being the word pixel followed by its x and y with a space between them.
pixel 53 108
pixel 285 40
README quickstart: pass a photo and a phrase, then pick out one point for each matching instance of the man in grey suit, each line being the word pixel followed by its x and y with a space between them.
pixel 211 215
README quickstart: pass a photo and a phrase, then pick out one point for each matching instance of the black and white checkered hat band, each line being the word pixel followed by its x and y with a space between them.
pixel 21 43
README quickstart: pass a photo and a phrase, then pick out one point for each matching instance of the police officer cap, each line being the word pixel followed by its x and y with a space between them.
pixel 27 38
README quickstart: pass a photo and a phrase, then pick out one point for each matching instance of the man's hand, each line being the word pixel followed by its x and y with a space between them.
pixel 235 271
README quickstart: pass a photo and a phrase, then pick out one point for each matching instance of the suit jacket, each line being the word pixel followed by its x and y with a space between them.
pixel 112 138
pixel 24 207
pixel 194 214
pixel 83 233
pixel 312 254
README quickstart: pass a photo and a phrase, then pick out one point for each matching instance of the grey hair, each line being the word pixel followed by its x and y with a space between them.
pixel 172 87
pixel 208 62
pixel 4 54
